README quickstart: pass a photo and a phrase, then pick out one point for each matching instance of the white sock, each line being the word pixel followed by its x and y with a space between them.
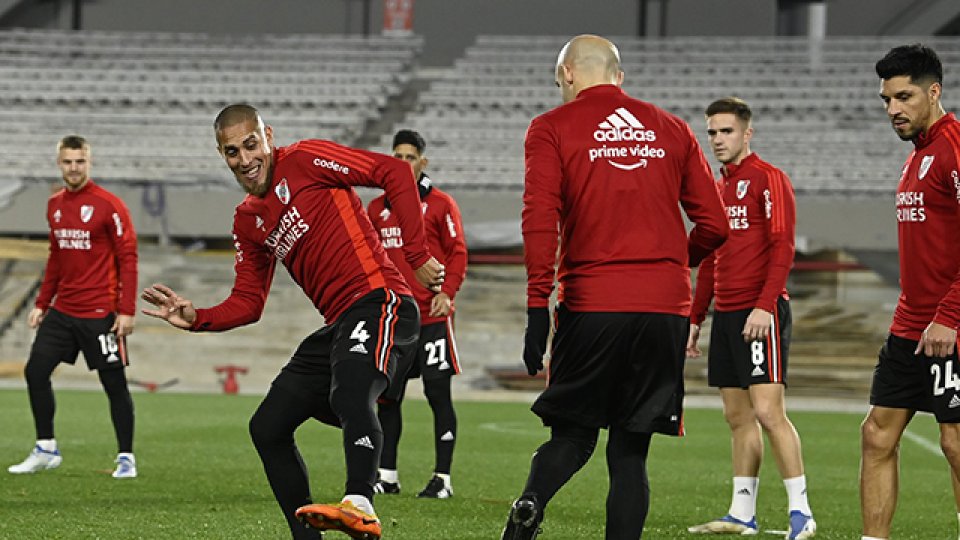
pixel 797 494
pixel 47 445
pixel 445 478
pixel 389 475
pixel 743 505
pixel 362 503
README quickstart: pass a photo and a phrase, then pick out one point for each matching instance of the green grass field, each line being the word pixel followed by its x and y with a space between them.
pixel 200 477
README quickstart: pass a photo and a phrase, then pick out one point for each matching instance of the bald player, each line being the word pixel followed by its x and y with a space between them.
pixel 604 176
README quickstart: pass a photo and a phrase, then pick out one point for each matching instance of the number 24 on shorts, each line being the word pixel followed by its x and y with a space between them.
pixel 950 380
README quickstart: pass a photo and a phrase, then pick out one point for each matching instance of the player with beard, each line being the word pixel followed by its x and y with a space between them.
pixel 301 210
pixel 917 367
pixel 437 358
pixel 87 302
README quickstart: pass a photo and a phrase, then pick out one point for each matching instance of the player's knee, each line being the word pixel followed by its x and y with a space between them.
pixel 875 440
pixel 739 418
pixel 262 430
pixel 114 383
pixel 583 439
pixel 347 404
pixel 437 392
pixel 950 444
pixel 771 418
pixel 267 426
pixel 36 372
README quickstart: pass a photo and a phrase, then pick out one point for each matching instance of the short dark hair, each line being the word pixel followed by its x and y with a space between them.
pixel 916 61
pixel 73 142
pixel 411 137
pixel 234 114
pixel 732 105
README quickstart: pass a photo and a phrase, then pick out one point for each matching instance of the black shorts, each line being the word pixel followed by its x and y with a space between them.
pixel 616 369
pixel 62 337
pixel 734 363
pixel 377 329
pixel 437 355
pixel 904 380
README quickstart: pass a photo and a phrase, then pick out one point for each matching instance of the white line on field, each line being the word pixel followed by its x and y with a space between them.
pixel 524 428
pixel 518 428
pixel 926 444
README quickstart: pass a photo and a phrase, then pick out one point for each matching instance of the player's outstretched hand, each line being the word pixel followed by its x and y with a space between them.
pixel 170 306
pixel 431 274
pixel 535 338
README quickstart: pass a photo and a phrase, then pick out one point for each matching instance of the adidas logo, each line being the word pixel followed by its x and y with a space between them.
pixel 447 437
pixel 622 125
pixel 954 402
pixel 744 491
pixel 757 372
pixel 364 442
pixel 359 348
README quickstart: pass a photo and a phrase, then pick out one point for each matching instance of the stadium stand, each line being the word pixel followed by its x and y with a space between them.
pixel 145 100
pixel 815 103
pixel 21 265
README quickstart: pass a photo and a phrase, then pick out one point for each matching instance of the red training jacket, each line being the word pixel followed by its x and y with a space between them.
pixel 445 240
pixel 604 174
pixel 313 222
pixel 750 269
pixel 928 225
pixel 92 267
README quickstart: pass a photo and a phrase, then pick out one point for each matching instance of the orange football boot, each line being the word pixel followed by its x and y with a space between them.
pixel 343 517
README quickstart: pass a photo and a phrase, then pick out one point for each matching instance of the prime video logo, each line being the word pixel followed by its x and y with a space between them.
pixel 619 127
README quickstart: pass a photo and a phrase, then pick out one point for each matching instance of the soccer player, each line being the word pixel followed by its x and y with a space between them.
pixel 917 367
pixel 301 211
pixel 606 176
pixel 436 359
pixel 87 302
pixel 750 336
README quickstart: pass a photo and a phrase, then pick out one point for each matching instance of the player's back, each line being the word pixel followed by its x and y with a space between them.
pixel 624 165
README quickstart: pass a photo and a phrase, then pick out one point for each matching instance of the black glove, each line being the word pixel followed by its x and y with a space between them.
pixel 535 338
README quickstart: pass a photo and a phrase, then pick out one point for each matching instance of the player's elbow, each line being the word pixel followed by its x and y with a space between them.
pixel 719 235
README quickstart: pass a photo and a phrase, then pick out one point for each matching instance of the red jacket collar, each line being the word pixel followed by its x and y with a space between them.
pixel 928 136
pixel 730 169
